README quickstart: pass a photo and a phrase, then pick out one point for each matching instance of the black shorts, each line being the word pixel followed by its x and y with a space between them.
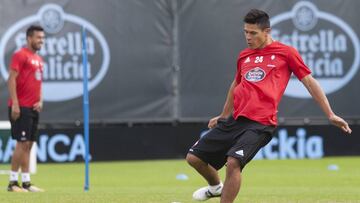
pixel 241 139
pixel 25 127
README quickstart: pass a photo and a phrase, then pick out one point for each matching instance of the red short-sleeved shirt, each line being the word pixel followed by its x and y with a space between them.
pixel 262 76
pixel 29 66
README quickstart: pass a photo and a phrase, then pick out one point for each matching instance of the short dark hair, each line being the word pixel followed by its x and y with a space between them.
pixel 30 31
pixel 259 17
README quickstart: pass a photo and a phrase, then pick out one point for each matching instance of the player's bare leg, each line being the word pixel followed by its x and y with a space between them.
pixel 16 157
pixel 25 156
pixel 211 176
pixel 26 183
pixel 207 171
pixel 232 181
pixel 18 161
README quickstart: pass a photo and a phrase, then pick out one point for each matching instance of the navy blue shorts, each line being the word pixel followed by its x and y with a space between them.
pixel 241 138
pixel 25 127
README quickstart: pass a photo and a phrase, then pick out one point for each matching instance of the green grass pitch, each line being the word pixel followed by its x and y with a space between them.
pixel 274 181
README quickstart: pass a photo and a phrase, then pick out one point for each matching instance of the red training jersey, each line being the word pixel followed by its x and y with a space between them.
pixel 262 76
pixel 29 67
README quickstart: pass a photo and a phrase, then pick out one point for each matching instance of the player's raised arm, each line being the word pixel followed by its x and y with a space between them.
pixel 318 94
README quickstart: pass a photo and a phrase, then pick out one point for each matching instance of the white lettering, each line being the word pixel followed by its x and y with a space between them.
pixel 77 147
pixel 314 147
pixel 63 56
pixel 293 147
pixel 269 151
pixel 286 145
pixel 10 146
pixel 52 147
pixel 41 150
pixel 324 66
pixel 323 41
pixel 56 69
pixel 301 133
pixel 61 46
pixel 48 147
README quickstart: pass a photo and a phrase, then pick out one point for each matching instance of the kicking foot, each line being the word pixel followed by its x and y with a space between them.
pixel 205 193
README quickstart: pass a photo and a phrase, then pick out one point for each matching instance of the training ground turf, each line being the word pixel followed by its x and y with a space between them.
pixel 155 181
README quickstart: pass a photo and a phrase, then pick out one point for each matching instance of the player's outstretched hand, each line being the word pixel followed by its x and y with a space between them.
pixel 341 123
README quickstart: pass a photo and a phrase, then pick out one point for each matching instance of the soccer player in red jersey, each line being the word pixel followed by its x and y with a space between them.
pixel 249 116
pixel 25 104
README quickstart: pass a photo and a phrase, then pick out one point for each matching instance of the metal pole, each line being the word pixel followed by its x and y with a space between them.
pixel 85 107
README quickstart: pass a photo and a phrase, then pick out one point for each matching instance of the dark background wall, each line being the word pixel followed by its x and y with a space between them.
pixel 160 69
pixel 173 60
pixel 169 141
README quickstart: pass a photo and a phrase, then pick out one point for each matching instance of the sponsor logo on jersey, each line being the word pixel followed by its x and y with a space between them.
pixel 247 60
pixel 255 75
pixel 62 51
pixel 327 44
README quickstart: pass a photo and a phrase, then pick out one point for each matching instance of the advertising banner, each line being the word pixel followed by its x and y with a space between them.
pixel 165 141
pixel 165 61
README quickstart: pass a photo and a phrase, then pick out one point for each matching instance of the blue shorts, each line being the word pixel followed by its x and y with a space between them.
pixel 241 138
pixel 25 127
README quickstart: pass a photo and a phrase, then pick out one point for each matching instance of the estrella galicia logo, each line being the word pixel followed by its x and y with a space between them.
pixel 62 51
pixel 255 75
pixel 327 44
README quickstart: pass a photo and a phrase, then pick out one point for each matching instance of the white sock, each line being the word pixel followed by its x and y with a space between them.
pixel 215 188
pixel 14 176
pixel 25 177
